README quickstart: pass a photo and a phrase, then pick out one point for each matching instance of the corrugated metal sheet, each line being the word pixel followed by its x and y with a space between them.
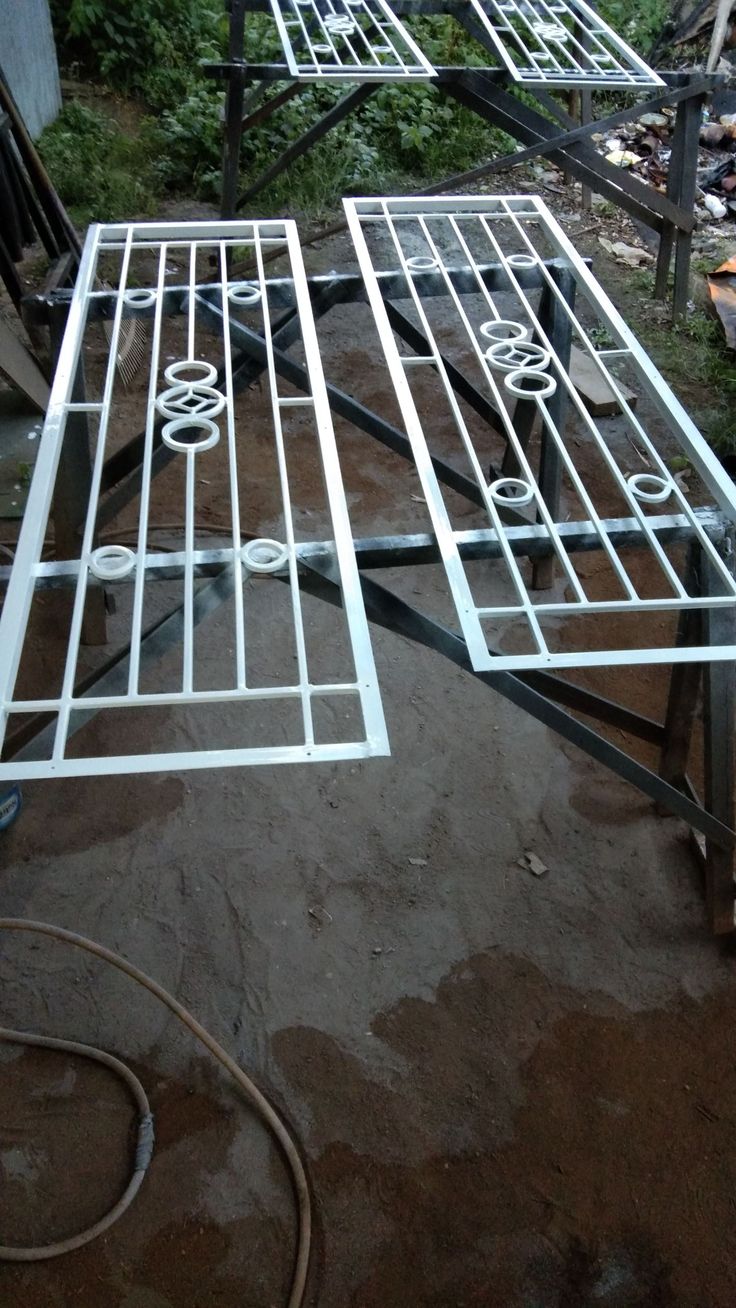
pixel 28 59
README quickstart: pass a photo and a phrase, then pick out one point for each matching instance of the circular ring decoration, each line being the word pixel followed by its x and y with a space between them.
pixel 550 31
pixel 244 293
pixel 650 488
pixel 195 423
pixel 190 399
pixel 264 555
pixel 508 356
pixel 139 298
pixel 339 24
pixel 322 48
pixel 519 491
pixel 111 562
pixel 522 261
pixel 504 329
pixel 421 263
pixel 205 372
pixel 530 384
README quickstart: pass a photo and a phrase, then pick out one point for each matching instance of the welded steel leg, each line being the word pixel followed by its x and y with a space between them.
pixel 559 330
pixel 72 488
pixel 234 100
pixel 684 691
pixel 719 724
pixel 347 105
pixel 681 184
pixel 693 111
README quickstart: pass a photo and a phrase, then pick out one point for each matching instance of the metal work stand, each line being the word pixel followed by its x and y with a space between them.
pixel 546 130
pixel 553 700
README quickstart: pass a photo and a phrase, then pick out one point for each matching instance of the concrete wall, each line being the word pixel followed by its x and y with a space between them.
pixel 28 59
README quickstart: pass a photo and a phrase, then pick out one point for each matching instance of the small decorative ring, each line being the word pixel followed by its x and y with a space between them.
pixel 530 385
pixel 508 356
pixel 111 562
pixel 168 435
pixel 244 293
pixel 504 329
pixel 139 298
pixel 519 491
pixel 651 489
pixel 207 373
pixel 264 555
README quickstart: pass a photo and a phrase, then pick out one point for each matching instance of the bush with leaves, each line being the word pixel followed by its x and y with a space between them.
pixel 100 172
pixel 143 47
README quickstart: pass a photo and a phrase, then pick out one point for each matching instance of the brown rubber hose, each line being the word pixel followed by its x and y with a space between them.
pixel 251 1092
pixel 143 1153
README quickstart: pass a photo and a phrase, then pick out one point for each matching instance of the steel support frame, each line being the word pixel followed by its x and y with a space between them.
pixel 550 698
pixel 492 93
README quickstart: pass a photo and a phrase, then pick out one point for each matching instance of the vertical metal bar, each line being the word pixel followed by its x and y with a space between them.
pixel 559 331
pixel 62 726
pixel 240 668
pixel 146 475
pixel 719 726
pixel 188 650
pixel 296 606
pixel 73 481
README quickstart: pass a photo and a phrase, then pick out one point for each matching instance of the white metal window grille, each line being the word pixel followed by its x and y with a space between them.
pixel 560 43
pixel 613 472
pixel 347 40
pixel 272 676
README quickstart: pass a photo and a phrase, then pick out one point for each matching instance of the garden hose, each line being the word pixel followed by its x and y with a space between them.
pixel 145 1129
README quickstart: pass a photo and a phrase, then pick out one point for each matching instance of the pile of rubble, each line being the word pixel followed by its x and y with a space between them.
pixel 645 146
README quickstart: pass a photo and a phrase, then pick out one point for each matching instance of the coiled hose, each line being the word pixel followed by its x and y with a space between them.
pixel 144 1147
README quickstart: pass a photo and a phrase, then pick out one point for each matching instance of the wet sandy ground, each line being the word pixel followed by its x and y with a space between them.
pixel 513 1092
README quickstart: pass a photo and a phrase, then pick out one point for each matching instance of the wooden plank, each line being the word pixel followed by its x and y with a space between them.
pixel 596 394
pixel 21 369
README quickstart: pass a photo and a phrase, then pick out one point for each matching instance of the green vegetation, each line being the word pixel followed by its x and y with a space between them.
pixel 708 387
pixel 100 172
pixel 151 51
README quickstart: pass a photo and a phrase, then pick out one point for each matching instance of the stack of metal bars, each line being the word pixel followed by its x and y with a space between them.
pixel 347 40
pixel 189 412
pixel 514 333
pixel 560 43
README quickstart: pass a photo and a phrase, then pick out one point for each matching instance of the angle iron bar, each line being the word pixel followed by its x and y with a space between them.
pixel 389 611
pixel 478 91
pixel 578 133
pixel 347 105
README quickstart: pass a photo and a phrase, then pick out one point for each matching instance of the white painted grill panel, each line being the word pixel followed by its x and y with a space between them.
pixel 517 235
pixel 190 685
pixel 347 40
pixel 561 43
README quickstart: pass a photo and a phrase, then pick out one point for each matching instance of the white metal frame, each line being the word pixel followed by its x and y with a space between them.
pixel 347 40
pixel 184 403
pixel 417 234
pixel 561 43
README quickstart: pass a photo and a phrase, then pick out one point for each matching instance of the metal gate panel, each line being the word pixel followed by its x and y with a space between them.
pixel 347 40
pixel 561 43
pixel 262 693
pixel 499 278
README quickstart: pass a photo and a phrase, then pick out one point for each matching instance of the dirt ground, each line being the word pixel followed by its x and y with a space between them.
pixel 512 1091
